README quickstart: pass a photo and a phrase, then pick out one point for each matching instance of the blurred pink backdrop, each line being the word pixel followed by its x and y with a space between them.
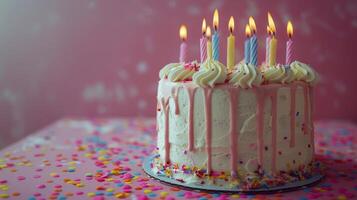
pixel 102 58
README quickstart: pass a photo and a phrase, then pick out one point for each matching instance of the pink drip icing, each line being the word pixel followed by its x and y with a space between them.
pixel 272 93
pixel 306 110
pixel 311 91
pixel 191 141
pixel 165 107
pixel 234 95
pixel 292 115
pixel 174 93
pixel 260 124
pixel 274 111
pixel 208 110
pixel 158 108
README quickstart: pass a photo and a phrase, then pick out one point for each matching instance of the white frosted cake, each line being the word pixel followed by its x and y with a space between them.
pixel 249 128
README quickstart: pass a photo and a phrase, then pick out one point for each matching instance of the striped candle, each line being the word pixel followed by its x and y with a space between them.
pixel 247 50
pixel 215 45
pixel 203 45
pixel 289 52
pixel 253 50
pixel 289 44
pixel 215 36
pixel 253 43
pixel 247 44
pixel 203 42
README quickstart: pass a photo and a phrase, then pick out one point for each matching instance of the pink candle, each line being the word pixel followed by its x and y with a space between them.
pixel 289 52
pixel 183 46
pixel 267 46
pixel 183 52
pixel 289 44
pixel 203 42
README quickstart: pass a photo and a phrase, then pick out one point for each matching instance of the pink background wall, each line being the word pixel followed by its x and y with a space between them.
pixel 101 58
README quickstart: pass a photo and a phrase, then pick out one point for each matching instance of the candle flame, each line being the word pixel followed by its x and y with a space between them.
pixel 252 25
pixel 271 24
pixel 204 26
pixel 268 30
pixel 183 32
pixel 231 24
pixel 215 20
pixel 247 30
pixel 290 29
pixel 208 32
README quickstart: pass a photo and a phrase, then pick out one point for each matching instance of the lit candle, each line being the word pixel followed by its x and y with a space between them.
pixel 215 37
pixel 289 43
pixel 253 43
pixel 230 45
pixel 267 46
pixel 273 42
pixel 203 42
pixel 247 44
pixel 183 47
pixel 209 43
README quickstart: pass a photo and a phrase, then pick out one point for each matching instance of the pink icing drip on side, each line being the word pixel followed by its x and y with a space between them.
pixel 191 141
pixel 292 114
pixel 174 93
pixel 274 128
pixel 311 91
pixel 306 110
pixel 208 110
pixel 158 108
pixel 260 124
pixel 165 108
pixel 234 95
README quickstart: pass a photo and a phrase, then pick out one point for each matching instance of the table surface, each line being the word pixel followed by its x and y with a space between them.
pixel 102 159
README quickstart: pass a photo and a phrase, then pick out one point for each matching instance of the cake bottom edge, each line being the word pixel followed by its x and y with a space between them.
pixel 197 177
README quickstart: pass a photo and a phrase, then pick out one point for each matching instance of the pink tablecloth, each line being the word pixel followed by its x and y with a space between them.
pixel 102 159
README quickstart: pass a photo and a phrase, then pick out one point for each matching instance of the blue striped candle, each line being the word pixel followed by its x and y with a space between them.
pixel 247 50
pixel 215 46
pixel 253 50
pixel 247 44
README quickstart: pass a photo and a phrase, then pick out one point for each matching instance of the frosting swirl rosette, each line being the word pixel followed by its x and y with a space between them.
pixel 211 72
pixel 303 72
pixel 164 72
pixel 245 76
pixel 183 72
pixel 278 74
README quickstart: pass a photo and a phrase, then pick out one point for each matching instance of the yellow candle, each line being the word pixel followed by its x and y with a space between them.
pixel 272 49
pixel 209 43
pixel 231 45
pixel 273 42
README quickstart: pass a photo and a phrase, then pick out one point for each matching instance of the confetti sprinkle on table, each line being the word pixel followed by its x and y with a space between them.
pixel 102 159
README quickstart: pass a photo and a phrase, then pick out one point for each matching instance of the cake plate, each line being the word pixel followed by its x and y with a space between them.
pixel 213 188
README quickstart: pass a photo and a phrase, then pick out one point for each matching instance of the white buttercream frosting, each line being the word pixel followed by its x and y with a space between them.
pixel 274 74
pixel 211 73
pixel 246 124
pixel 245 76
pixel 182 72
pixel 297 71
pixel 303 72
pixel 164 72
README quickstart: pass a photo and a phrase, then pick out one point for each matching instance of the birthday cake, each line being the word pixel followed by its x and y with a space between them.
pixel 244 126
